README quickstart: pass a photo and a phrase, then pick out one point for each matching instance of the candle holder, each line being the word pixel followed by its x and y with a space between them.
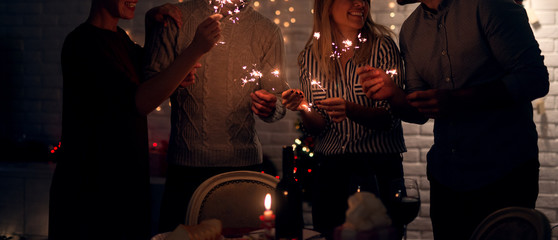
pixel 268 223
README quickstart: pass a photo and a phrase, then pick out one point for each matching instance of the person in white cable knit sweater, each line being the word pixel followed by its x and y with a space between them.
pixel 213 120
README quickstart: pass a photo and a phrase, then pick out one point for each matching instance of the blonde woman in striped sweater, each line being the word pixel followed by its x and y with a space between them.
pixel 358 141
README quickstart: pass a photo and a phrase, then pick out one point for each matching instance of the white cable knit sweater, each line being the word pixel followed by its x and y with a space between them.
pixel 212 121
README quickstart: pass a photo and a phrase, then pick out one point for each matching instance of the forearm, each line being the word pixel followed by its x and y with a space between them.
pixel 155 90
pixel 374 118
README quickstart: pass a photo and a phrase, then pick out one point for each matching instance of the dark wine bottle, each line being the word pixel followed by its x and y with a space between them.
pixel 288 220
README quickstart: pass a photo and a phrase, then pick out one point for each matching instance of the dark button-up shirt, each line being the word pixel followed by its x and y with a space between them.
pixel 467 43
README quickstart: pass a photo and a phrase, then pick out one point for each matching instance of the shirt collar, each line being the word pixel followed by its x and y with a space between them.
pixel 442 8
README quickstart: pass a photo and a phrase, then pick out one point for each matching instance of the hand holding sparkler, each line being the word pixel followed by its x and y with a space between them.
pixel 377 83
pixel 263 103
pixel 208 33
pixel 293 99
pixel 336 108
pixel 433 103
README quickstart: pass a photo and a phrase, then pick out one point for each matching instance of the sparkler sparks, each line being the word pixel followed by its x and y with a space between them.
pixel 391 72
pixel 314 82
pixel 308 108
pixel 361 39
pixel 233 8
pixel 317 35
pixel 275 73
pixel 348 44
pixel 252 75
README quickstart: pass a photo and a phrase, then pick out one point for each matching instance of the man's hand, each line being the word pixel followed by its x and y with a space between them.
pixel 263 103
pixel 433 103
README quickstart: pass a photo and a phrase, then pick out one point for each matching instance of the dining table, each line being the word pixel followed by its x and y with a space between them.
pixel 248 234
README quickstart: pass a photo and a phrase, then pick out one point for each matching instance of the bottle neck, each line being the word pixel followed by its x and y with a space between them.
pixel 288 163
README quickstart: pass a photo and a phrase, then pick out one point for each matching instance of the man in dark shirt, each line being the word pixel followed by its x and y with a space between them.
pixel 474 66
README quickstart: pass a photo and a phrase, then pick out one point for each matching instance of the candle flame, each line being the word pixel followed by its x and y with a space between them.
pixel 267 202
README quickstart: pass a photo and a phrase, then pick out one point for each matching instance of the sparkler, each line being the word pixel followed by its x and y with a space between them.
pixel 275 73
pixel 361 39
pixel 228 4
pixel 252 75
pixel 308 108
pixel 317 35
pixel 391 72
pixel 220 4
pixel 314 82
pixel 348 44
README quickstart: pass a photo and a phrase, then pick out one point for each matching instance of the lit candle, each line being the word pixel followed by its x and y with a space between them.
pixel 268 214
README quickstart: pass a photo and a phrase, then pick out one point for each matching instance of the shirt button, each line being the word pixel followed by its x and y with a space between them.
pixel 444 52
pixel 448 79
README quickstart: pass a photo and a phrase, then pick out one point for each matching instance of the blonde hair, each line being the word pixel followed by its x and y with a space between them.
pixel 322 47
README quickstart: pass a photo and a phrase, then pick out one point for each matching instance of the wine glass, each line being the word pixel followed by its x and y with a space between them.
pixel 405 201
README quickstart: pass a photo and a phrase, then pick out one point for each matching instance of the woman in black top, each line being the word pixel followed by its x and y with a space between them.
pixel 100 188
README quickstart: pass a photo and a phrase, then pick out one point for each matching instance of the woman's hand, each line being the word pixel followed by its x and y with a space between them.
pixel 293 99
pixel 160 13
pixel 208 33
pixel 376 83
pixel 336 108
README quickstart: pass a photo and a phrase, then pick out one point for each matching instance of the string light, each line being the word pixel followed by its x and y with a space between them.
pixel 282 10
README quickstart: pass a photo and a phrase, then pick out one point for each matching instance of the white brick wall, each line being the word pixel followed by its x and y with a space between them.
pixel 32 33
